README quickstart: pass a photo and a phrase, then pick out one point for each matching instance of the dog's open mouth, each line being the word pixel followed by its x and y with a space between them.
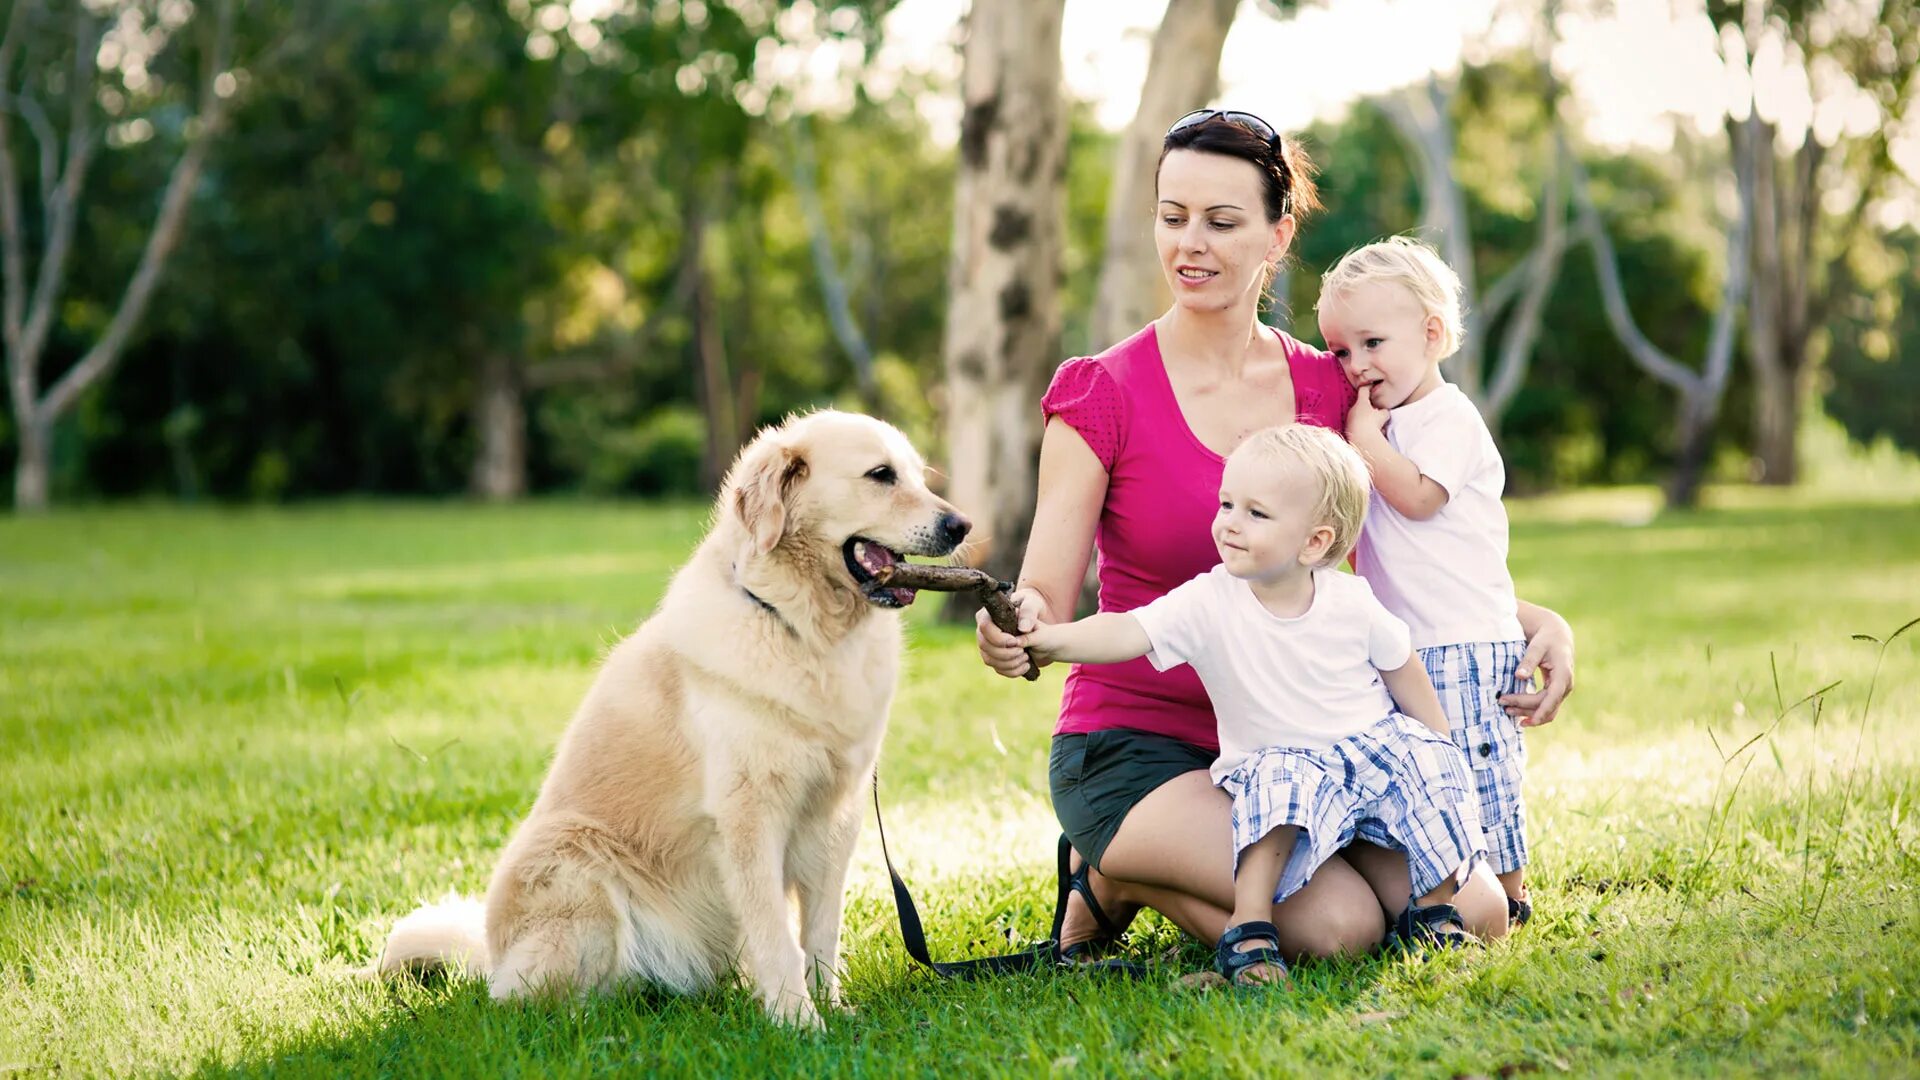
pixel 866 558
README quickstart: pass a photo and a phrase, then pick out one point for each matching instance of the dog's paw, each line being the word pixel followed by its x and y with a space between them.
pixel 826 989
pixel 795 1011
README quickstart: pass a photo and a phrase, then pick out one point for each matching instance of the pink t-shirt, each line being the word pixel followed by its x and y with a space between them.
pixel 1155 530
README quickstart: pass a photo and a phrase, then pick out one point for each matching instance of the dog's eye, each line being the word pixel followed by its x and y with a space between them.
pixel 882 474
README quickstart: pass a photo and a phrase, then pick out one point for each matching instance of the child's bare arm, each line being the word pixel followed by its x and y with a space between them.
pixel 1107 638
pixel 1413 692
pixel 1395 476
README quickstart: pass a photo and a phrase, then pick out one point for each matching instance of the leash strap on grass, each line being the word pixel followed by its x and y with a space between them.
pixel 1037 957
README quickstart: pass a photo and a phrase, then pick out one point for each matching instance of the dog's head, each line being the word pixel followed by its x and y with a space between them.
pixel 845 492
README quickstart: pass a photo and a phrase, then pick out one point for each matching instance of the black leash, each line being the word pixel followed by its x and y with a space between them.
pixel 1037 957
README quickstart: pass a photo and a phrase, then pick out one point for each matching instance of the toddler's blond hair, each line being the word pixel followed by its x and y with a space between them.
pixel 1338 470
pixel 1407 262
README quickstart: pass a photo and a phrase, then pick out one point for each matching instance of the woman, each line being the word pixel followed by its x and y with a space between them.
pixel 1131 458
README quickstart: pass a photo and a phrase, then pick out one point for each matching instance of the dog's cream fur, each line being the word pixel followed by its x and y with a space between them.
pixel 716 766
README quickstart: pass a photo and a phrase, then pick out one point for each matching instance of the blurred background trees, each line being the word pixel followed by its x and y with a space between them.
pixel 430 247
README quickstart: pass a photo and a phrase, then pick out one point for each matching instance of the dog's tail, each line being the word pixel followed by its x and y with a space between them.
pixel 449 934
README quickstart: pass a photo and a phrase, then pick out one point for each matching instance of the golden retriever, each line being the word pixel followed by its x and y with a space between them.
pixel 716 766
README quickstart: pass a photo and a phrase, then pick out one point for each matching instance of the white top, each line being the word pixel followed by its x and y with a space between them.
pixel 1446 576
pixel 1308 681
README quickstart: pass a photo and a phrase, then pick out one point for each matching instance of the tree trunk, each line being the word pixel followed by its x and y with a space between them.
pixel 26 326
pixel 826 266
pixel 1183 74
pixel 1773 383
pixel 1003 322
pixel 713 387
pixel 500 417
pixel 30 472
pixel 1699 391
pixel 1423 117
pixel 1776 424
pixel 1695 432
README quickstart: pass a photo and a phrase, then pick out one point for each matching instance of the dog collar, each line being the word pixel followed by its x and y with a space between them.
pixel 771 610
pixel 764 606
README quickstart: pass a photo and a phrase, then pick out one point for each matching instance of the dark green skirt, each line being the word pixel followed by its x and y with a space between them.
pixel 1098 777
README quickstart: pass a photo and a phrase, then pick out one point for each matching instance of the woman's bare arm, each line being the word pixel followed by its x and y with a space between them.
pixel 1072 489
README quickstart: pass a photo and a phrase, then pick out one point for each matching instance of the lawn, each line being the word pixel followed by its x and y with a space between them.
pixel 239 743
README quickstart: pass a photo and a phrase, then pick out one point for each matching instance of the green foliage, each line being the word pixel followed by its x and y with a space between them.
pixel 1090 153
pixel 409 188
pixel 1585 414
pixel 240 744
pixel 1873 373
pixel 406 188
pixel 610 454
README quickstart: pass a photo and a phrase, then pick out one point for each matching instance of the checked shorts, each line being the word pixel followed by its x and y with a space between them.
pixel 1397 784
pixel 1470 679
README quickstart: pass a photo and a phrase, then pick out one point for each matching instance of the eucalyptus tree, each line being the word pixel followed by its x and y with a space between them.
pixel 1003 319
pixel 79 80
pixel 1812 192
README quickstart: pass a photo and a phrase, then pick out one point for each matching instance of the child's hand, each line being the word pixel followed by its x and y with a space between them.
pixel 1364 418
pixel 1043 642
pixel 1000 650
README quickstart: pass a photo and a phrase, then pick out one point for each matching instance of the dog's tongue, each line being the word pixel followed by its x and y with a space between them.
pixel 902 597
pixel 873 557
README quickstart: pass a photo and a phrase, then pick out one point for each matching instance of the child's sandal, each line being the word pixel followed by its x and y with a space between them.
pixel 1231 961
pixel 1518 912
pixel 1435 925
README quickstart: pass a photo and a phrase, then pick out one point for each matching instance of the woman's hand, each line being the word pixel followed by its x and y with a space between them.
pixel 1550 651
pixel 1000 650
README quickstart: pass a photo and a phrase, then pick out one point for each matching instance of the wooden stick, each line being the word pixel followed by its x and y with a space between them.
pixel 954 579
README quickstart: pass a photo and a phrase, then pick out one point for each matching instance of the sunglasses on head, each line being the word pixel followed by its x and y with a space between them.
pixel 1244 119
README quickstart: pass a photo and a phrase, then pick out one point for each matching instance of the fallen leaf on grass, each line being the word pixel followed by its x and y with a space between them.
pixel 1201 981
pixel 1626 994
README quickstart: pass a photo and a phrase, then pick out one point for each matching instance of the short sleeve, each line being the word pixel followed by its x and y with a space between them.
pixel 1179 624
pixel 1322 394
pixel 1447 448
pixel 1389 642
pixel 1085 396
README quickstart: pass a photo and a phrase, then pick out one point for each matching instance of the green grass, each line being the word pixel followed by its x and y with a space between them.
pixel 238 744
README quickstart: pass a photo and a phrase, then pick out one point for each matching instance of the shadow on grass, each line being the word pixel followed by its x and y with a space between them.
pixel 903 1022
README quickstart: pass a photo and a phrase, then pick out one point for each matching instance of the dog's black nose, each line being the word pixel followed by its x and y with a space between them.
pixel 954 528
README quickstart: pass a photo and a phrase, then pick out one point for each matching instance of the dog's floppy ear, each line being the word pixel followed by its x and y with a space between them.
pixel 763 481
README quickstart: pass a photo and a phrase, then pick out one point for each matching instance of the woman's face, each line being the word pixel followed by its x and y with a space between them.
pixel 1211 230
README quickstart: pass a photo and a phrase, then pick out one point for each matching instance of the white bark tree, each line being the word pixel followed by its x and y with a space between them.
pixel 1810 205
pixel 1699 390
pixel 32 299
pixel 1183 74
pixel 499 471
pixel 1422 115
pixel 1003 324
pixel 804 170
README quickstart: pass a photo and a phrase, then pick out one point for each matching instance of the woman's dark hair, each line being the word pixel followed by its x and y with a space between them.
pixel 1286 173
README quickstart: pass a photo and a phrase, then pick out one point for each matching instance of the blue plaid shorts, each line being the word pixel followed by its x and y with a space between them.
pixel 1470 679
pixel 1397 784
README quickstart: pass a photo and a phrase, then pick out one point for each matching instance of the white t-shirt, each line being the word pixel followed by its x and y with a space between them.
pixel 1308 681
pixel 1446 576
